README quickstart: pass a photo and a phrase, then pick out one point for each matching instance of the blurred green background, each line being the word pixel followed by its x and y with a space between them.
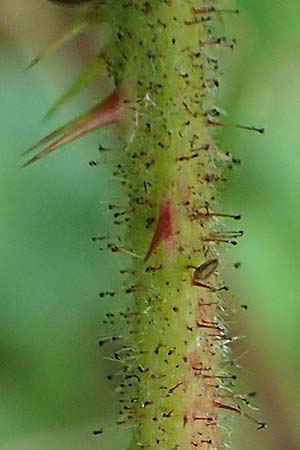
pixel 52 376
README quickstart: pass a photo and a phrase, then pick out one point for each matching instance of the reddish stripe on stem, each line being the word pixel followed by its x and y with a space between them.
pixel 165 228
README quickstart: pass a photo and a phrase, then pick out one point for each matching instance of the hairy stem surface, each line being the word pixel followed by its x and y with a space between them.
pixel 172 379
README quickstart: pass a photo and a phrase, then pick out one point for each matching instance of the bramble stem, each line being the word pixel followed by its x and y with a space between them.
pixel 173 376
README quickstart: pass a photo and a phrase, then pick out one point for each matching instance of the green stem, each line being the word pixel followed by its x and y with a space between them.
pixel 170 386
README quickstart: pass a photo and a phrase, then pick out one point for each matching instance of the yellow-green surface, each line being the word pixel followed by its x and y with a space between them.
pixel 52 387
